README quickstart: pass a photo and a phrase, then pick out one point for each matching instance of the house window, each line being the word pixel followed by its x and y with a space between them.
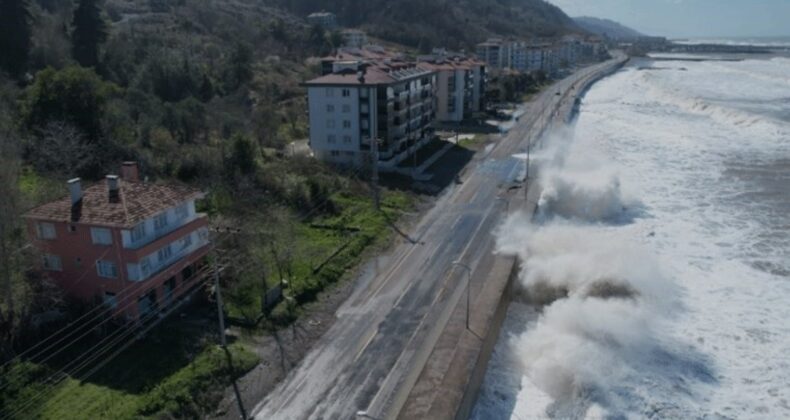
pixel 107 269
pixel 138 232
pixel 346 124
pixel 330 123
pixel 164 254
pixel 335 153
pixel 52 262
pixel 101 236
pixel 110 301
pixel 160 221
pixel 186 242
pixel 330 108
pixel 346 139
pixel 72 228
pixel 203 234
pixel 330 92
pixel 145 267
pixel 45 230
pixel 182 211
pixel 346 93
pixel 346 108
pixel 331 138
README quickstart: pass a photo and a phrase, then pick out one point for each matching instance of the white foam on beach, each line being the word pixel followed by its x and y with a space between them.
pixel 704 331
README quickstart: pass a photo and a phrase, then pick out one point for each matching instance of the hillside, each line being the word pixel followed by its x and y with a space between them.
pixel 606 28
pixel 450 23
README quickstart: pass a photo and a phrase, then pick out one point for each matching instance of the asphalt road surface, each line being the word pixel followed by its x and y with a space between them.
pixel 385 331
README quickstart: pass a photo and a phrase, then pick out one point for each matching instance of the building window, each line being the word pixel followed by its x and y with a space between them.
pixel 330 123
pixel 331 139
pixel 160 221
pixel 138 232
pixel 45 231
pixel 346 139
pixel 335 153
pixel 350 153
pixel 182 211
pixel 346 108
pixel 346 124
pixel 186 242
pixel 145 267
pixel 330 108
pixel 110 301
pixel 346 93
pixel 52 262
pixel 330 92
pixel 72 228
pixel 164 254
pixel 101 236
pixel 107 269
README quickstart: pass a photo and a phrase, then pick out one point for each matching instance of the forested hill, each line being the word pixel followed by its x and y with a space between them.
pixel 451 23
pixel 606 28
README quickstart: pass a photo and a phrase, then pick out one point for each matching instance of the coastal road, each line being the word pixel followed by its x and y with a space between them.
pixel 386 329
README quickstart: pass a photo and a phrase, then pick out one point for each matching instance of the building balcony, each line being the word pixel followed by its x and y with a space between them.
pixel 150 265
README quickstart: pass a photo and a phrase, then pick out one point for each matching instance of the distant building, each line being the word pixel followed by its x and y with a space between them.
pixel 325 20
pixel 494 53
pixel 460 86
pixel 135 246
pixel 359 102
pixel 354 38
pixel 367 54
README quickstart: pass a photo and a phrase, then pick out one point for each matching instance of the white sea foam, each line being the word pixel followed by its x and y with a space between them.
pixel 697 325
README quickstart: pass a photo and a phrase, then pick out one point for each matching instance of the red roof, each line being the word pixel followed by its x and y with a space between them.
pixel 138 201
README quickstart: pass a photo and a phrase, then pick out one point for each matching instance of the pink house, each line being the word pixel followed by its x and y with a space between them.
pixel 134 245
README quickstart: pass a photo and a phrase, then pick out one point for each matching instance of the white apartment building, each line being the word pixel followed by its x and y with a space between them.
pixel 354 38
pixel 460 87
pixel 392 102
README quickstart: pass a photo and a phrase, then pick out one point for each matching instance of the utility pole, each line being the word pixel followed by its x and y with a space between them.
pixel 526 179
pixel 375 170
pixel 218 296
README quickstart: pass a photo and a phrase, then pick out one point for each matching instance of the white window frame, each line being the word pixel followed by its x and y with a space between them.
pixel 160 221
pixel 101 236
pixel 52 262
pixel 107 269
pixel 346 124
pixel 46 230
pixel 138 232
pixel 164 254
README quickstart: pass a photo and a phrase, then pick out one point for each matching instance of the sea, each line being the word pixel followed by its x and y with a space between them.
pixel 656 273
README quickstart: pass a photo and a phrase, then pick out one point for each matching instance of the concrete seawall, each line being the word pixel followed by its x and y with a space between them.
pixel 449 382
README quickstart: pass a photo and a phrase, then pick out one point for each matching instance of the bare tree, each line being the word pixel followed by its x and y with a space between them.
pixel 61 148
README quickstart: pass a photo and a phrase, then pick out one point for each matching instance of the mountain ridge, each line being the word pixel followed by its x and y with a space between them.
pixel 606 28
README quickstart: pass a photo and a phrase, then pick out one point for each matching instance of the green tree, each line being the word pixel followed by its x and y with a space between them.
pixel 15 36
pixel 75 95
pixel 90 31
pixel 239 66
pixel 243 155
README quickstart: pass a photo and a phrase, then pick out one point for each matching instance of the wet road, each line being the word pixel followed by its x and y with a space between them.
pixel 386 329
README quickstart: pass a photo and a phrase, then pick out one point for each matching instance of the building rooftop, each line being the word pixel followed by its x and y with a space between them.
pixel 136 202
pixel 369 74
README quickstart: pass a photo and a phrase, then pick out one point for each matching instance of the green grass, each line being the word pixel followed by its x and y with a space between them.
pixel 474 142
pixel 187 392
pixel 324 249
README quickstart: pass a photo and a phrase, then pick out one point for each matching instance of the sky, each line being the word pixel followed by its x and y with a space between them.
pixel 690 18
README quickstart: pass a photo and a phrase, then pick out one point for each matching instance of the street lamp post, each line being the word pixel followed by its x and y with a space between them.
pixel 468 288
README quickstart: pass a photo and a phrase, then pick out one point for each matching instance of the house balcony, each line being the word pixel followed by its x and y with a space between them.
pixel 200 221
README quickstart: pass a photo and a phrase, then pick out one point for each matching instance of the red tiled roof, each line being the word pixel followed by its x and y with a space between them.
pixel 138 201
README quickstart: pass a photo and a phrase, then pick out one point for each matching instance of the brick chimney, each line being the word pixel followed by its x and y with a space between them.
pixel 75 190
pixel 130 172
pixel 113 188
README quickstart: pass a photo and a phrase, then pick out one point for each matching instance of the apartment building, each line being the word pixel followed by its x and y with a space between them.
pixel 494 53
pixel 354 38
pixel 135 246
pixel 359 101
pixel 526 56
pixel 325 20
pixel 460 86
